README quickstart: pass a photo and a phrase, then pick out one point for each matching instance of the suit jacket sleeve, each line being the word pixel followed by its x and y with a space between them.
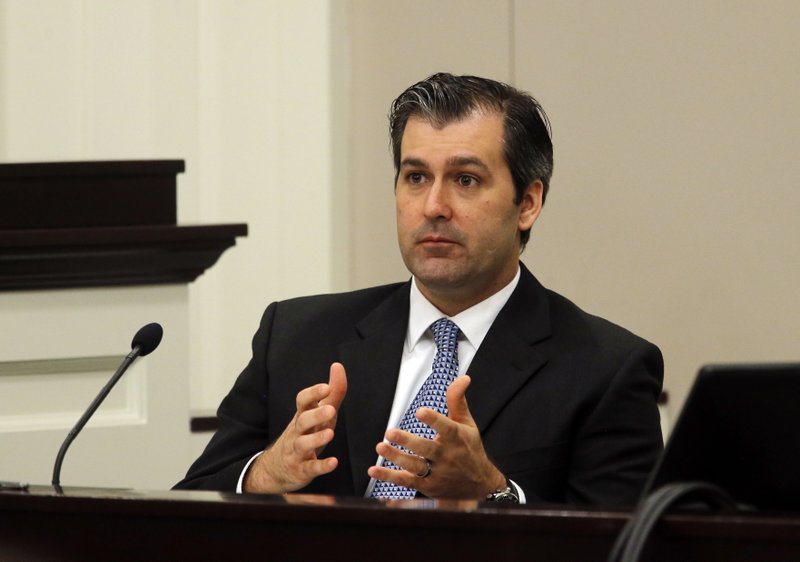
pixel 284 361
pixel 244 423
pixel 567 402
pixel 589 434
pixel 618 444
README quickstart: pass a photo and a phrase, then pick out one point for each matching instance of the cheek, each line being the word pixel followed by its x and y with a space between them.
pixel 402 215
pixel 398 209
pixel 401 201
pixel 487 215
pixel 404 222
pixel 495 222
pixel 406 208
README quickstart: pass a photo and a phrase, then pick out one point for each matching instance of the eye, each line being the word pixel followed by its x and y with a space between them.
pixel 467 181
pixel 415 177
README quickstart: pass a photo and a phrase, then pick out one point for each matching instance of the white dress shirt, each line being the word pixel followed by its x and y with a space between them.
pixel 419 350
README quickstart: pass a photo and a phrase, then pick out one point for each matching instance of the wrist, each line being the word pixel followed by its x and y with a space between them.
pixel 497 481
pixel 506 494
pixel 500 481
pixel 258 477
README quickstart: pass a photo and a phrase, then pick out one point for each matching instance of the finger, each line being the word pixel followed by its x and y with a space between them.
pixel 415 444
pixel 309 420
pixel 410 462
pixel 313 468
pixel 306 445
pixel 445 427
pixel 393 454
pixel 399 477
pixel 337 383
pixel 457 401
pixel 310 397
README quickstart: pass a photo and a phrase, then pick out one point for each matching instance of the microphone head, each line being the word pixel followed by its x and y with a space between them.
pixel 147 338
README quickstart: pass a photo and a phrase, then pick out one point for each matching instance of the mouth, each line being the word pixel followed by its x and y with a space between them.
pixel 435 240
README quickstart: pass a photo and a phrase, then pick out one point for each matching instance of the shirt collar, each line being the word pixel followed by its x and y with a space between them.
pixel 474 322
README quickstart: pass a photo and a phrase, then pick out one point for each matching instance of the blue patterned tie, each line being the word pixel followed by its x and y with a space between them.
pixel 431 395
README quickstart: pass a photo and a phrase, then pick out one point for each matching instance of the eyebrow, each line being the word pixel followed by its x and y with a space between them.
pixel 453 161
pixel 467 161
pixel 414 163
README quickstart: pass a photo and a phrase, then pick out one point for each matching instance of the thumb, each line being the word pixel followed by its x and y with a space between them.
pixel 337 383
pixel 457 401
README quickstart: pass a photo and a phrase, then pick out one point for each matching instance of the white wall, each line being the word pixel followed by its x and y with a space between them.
pixel 247 92
pixel 57 350
pixel 270 91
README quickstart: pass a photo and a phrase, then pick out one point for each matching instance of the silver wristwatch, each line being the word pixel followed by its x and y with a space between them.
pixel 504 495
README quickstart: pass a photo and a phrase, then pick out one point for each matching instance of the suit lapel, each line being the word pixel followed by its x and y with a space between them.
pixel 372 364
pixel 509 356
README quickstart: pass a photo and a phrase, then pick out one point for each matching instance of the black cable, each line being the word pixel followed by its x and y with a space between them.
pixel 632 539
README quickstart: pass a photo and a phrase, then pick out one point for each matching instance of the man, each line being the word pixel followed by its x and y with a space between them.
pixel 558 406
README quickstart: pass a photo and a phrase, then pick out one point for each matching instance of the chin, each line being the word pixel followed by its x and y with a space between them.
pixel 437 271
pixel 439 278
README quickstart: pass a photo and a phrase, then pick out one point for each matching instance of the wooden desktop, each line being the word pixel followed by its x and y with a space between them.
pixel 107 524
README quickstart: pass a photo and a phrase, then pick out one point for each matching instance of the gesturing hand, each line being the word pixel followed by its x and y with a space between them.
pixel 292 461
pixel 460 467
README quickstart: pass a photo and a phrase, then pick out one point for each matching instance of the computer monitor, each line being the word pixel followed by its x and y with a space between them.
pixel 740 430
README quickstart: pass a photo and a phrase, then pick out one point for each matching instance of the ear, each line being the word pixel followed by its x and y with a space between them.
pixel 531 205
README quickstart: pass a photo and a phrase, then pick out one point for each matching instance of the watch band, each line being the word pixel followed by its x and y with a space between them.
pixel 504 495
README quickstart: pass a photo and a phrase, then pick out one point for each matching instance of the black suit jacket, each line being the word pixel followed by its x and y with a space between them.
pixel 565 401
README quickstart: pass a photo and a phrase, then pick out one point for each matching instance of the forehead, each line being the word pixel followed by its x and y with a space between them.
pixel 480 133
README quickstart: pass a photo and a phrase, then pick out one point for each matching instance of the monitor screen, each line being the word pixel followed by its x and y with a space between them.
pixel 740 430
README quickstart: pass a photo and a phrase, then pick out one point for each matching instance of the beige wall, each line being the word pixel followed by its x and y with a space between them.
pixel 675 203
pixel 676 125
pixel 672 208
pixel 395 44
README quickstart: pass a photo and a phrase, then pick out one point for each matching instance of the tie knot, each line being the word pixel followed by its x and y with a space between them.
pixel 445 334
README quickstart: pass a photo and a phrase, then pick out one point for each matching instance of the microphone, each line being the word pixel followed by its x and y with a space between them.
pixel 144 342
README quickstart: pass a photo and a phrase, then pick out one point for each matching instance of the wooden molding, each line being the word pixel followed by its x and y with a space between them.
pixel 203 424
pixel 42 195
pixel 110 256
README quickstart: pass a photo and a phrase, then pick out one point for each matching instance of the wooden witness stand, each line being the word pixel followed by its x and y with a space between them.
pixel 101 524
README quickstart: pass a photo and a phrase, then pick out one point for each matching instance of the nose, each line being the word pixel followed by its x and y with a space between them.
pixel 437 202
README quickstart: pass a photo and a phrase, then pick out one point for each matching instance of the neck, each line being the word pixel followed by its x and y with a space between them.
pixel 452 301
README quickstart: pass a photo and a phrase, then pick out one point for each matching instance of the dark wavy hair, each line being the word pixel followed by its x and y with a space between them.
pixel 444 98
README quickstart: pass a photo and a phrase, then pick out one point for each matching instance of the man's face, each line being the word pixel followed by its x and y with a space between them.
pixel 457 223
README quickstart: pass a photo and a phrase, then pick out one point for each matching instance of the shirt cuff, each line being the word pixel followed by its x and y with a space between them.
pixel 520 493
pixel 240 483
